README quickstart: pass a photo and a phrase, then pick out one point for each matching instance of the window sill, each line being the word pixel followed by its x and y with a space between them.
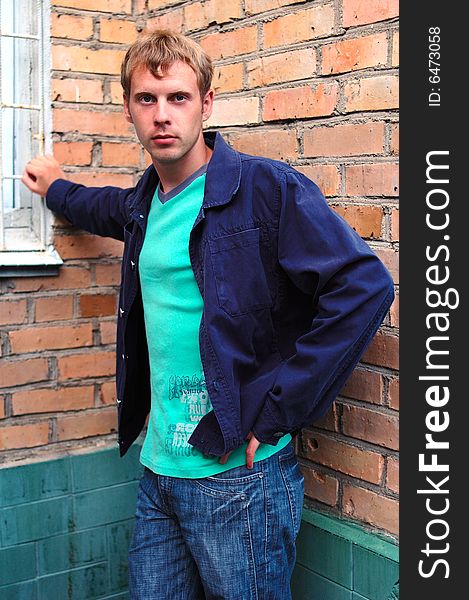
pixel 30 263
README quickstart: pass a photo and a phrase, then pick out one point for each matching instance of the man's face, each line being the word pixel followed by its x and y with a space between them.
pixel 167 112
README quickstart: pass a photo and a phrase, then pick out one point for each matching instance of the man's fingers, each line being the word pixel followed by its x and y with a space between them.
pixel 224 458
pixel 251 451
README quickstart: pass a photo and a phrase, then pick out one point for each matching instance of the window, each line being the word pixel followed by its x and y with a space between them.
pixel 25 222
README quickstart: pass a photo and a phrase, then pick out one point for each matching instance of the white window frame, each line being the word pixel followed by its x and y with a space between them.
pixel 26 249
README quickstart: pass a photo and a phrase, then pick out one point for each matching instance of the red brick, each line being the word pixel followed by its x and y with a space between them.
pixel 372 93
pixel 70 277
pixel 71 27
pixel 343 457
pixel 379 179
pixel 108 274
pixel 356 53
pixel 169 20
pixel 228 78
pixel 287 66
pixel 108 332
pixel 24 436
pixel 234 111
pixel 329 421
pixel 97 305
pixel 107 392
pixel 395 49
pixel 202 14
pixel 19 372
pixel 393 393
pixel 87 246
pixel 103 178
pixel 372 508
pixel 364 385
pixel 118 31
pixel 86 60
pixel 257 6
pixel 77 90
pixel 394 312
pixel 279 144
pixel 111 6
pixel 116 92
pixel 73 153
pixel 345 140
pixel 153 4
pixel 87 424
pixel 320 487
pixel 306 101
pixel 230 43
pixel 120 155
pixel 364 219
pixel 112 124
pixel 2 407
pixel 300 26
pixel 52 400
pixel 392 477
pixel 360 12
pixel 390 258
pixel 50 338
pixel 394 142
pixel 395 225
pixel 91 364
pixel 54 308
pixel 383 351
pixel 326 177
pixel 13 312
pixel 371 426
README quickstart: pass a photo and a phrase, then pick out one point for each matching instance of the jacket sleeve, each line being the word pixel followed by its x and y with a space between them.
pixel 100 210
pixel 351 292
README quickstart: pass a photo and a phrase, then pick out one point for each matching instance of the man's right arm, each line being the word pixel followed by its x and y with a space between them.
pixel 100 210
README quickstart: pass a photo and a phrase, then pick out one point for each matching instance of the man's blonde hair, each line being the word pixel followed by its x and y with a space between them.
pixel 158 50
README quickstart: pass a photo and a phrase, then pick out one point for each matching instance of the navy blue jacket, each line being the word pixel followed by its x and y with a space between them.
pixel 292 296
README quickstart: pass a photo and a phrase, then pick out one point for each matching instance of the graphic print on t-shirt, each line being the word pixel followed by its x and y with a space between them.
pixel 192 396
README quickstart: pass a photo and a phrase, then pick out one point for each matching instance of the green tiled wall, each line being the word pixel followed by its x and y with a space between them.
pixel 65 527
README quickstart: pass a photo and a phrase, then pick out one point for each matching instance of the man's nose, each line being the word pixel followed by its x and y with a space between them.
pixel 161 113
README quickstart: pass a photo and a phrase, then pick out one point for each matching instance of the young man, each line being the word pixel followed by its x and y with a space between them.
pixel 245 304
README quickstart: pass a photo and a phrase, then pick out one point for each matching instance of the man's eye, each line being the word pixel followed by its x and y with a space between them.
pixel 146 99
pixel 179 97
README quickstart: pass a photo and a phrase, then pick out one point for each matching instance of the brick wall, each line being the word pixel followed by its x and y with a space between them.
pixel 312 83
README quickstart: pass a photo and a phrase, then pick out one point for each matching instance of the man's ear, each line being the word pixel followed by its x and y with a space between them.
pixel 207 105
pixel 127 114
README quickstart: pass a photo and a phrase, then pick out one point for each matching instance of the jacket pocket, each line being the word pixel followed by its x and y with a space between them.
pixel 239 273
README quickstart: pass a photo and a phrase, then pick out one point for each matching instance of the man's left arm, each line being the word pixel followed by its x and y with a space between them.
pixel 351 291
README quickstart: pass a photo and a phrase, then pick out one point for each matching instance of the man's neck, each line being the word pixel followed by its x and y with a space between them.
pixel 172 174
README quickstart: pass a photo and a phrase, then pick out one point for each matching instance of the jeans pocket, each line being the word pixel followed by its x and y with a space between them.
pixel 232 482
pixel 294 484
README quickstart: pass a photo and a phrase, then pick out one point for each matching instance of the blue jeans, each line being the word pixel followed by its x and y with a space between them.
pixel 230 536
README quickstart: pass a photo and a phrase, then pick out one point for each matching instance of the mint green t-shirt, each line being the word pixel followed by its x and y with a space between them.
pixel 173 309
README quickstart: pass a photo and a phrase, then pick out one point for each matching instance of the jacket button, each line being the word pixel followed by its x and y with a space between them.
pixel 118 401
pixel 121 312
pixel 132 265
pixel 278 434
pixel 215 385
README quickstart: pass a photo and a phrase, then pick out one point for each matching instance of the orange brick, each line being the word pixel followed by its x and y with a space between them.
pixel 91 364
pixel 354 54
pixel 2 407
pixel 378 179
pixel 230 43
pixel 116 92
pixel 108 332
pixel 24 436
pixel 86 60
pixel 343 457
pixel 107 392
pixel 394 141
pixel 110 6
pixel 50 338
pixel 13 312
pixel 371 426
pixel 360 12
pixel 71 27
pixel 103 178
pixel 112 124
pixel 390 258
pixel 169 20
pixel 372 93
pixel 395 225
pixel 329 421
pixel 234 111
pixel 20 372
pixel 395 49
pixel 254 7
pixel 119 31
pixel 153 4
pixel 287 66
pixel 320 487
pixel 228 78
pixel 372 508
pixel 364 385
pixel 392 476
pixel 87 246
pixel 306 101
pixel 202 14
pixel 87 424
pixel 73 153
pixel 383 351
pixel 70 277
pixel 108 274
pixel 393 393
pixel 279 144
pixel 326 177
pixel 120 155
pixel 53 400
pixel 97 305
pixel 77 90
pixel 345 140
pixel 394 312
pixel 300 26
pixel 365 219
pixel 54 308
